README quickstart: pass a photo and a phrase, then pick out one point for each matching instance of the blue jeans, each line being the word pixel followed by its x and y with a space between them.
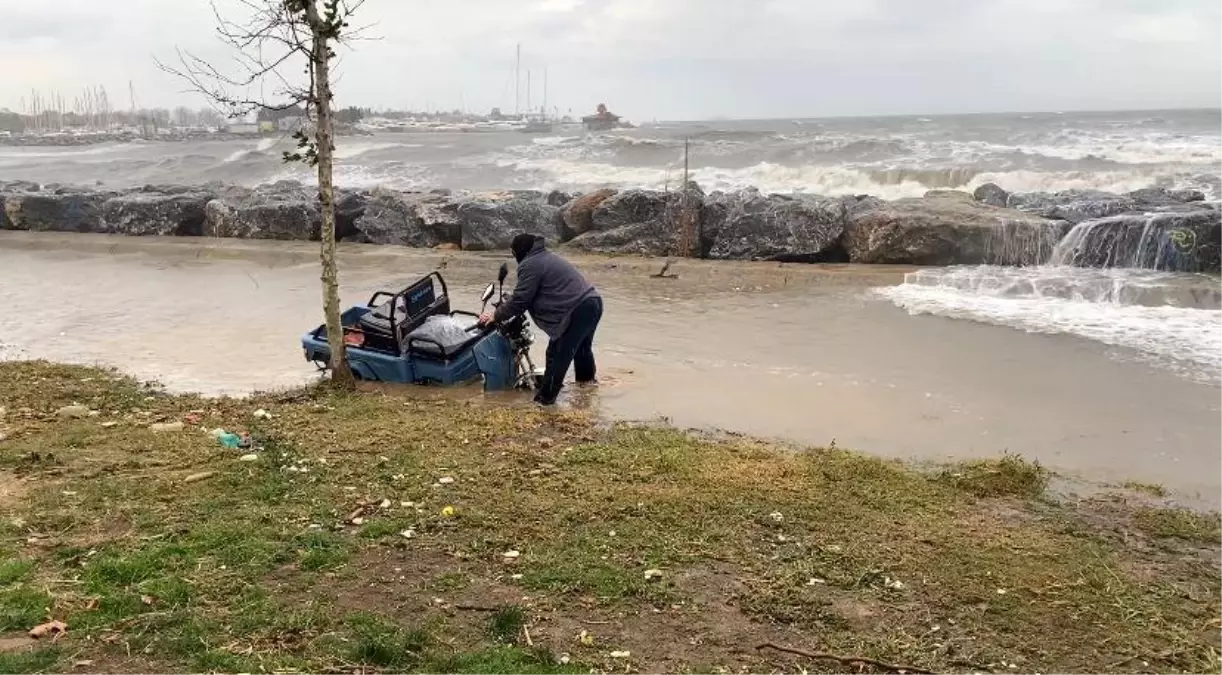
pixel 574 347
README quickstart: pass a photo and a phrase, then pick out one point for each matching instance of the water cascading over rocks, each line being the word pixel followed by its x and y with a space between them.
pixel 1176 242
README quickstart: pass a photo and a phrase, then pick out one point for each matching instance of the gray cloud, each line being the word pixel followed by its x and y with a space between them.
pixel 679 58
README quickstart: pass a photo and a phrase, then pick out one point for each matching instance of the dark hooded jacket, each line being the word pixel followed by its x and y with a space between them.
pixel 549 287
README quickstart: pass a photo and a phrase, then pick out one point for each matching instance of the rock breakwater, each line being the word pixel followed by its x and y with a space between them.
pixel 1153 228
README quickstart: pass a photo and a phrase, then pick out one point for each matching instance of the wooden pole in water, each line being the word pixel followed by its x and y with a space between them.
pixel 687 216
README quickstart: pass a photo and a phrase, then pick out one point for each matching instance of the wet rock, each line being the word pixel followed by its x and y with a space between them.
pixel 991 194
pixel 1158 196
pixel 557 198
pixel 948 230
pixel 349 207
pixel 19 186
pixel 10 188
pixel 179 213
pixel 420 220
pixel 1186 240
pixel 578 213
pixel 748 225
pixel 629 208
pixel 490 221
pixel 284 210
pixel 1074 206
pixel 641 221
pixel 68 211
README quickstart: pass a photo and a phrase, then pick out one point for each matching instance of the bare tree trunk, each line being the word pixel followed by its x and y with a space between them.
pixel 341 374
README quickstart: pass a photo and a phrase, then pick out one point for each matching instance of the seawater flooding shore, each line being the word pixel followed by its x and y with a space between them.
pixel 806 353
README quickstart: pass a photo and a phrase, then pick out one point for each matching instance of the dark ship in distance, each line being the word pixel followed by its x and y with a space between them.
pixel 605 120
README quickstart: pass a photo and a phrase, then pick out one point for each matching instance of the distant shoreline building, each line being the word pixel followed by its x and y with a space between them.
pixel 603 120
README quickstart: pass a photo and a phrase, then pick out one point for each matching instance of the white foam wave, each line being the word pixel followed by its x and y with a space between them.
pixel 261 147
pixel 239 155
pixel 1188 341
pixel 552 141
pixel 831 180
pixel 29 152
pixel 352 150
pixel 356 176
pixel 1150 149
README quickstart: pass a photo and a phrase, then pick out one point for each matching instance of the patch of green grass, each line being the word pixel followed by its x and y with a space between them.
pixel 109 607
pixel 449 582
pixel 253 546
pixel 506 623
pixel 1010 476
pixel 14 570
pixel 564 573
pixel 377 642
pixel 381 527
pixel 321 550
pixel 23 607
pixel 1175 523
pixel 42 660
pixel 501 659
pixel 1152 489
pixel 220 661
pixel 834 548
pixel 168 590
pixel 122 569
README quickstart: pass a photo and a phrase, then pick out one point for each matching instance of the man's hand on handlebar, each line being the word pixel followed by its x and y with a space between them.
pixel 486 318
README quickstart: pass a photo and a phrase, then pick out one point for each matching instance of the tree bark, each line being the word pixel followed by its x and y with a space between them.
pixel 320 54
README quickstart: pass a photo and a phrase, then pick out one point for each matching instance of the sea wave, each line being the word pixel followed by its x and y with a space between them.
pixel 891 183
pixel 1185 340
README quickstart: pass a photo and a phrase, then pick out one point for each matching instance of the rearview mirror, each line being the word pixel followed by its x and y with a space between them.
pixel 504 272
pixel 488 291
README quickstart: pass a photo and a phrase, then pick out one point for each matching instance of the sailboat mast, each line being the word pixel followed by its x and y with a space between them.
pixel 517 82
pixel 528 106
pixel 544 109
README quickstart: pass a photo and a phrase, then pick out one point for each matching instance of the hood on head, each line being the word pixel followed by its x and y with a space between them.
pixel 524 243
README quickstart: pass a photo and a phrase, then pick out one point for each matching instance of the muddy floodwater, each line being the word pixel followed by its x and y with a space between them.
pixel 809 354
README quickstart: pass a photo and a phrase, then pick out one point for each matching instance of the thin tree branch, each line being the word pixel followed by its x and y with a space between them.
pixel 846 660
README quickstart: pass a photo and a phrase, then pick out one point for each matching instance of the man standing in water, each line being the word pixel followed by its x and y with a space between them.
pixel 562 304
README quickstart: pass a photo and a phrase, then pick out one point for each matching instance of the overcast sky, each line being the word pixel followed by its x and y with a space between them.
pixel 674 59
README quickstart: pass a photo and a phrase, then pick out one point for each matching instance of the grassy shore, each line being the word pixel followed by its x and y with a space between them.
pixel 423 531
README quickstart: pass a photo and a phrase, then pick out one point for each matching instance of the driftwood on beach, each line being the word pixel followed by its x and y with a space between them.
pixel 1154 228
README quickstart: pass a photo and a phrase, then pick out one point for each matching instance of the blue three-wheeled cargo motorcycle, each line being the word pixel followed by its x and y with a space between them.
pixel 414 337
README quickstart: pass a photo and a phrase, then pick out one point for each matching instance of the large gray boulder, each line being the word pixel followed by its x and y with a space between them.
pixel 490 221
pixel 409 219
pixel 1077 206
pixel 748 225
pixel 1158 196
pixel 349 207
pixel 180 213
pixel 19 186
pixel 1183 240
pixel 61 211
pixel 285 211
pixel 949 229
pixel 1074 206
pixel 991 194
pixel 644 222
pixel 578 214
